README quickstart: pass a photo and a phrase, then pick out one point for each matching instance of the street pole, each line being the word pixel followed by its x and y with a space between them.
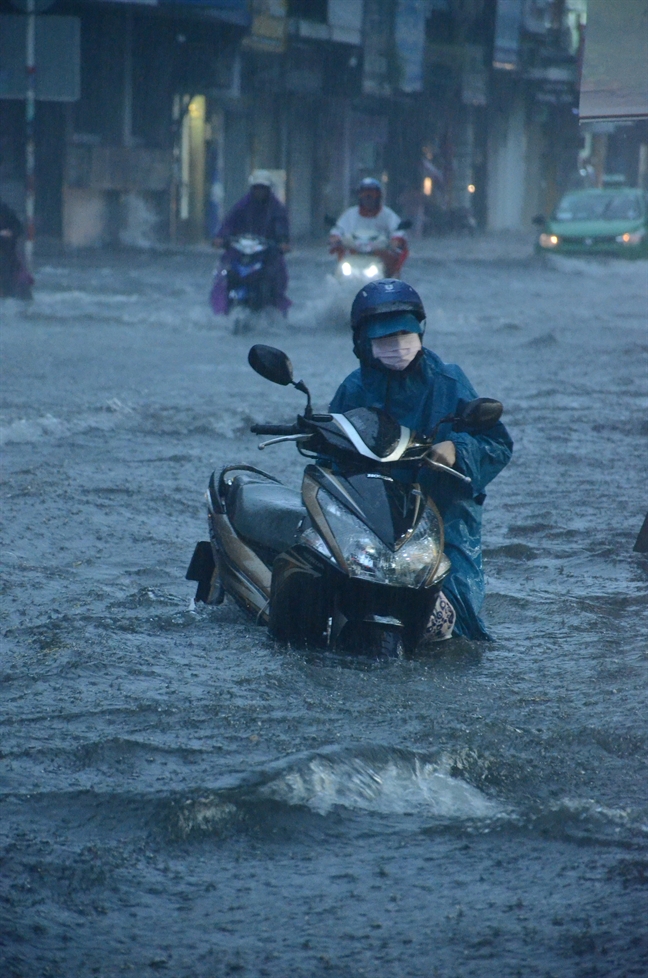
pixel 30 111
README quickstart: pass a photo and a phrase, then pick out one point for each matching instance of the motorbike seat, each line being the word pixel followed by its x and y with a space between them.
pixel 265 513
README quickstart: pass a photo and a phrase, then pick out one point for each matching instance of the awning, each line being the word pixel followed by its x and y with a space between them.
pixel 615 68
pixel 231 11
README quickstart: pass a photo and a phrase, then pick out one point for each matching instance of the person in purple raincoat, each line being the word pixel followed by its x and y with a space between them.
pixel 261 213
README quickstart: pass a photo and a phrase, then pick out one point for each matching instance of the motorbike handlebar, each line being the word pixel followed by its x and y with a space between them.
pixel 274 429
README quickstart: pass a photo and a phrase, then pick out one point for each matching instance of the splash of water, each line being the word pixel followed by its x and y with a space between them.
pixel 328 309
pixel 383 781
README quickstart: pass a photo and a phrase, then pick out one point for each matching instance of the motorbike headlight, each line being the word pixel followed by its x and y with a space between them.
pixel 367 556
pixel 549 240
pixel 372 271
pixel 346 268
pixel 311 537
pixel 631 237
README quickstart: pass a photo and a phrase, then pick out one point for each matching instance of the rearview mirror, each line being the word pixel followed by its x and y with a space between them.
pixel 478 415
pixel 539 220
pixel 271 363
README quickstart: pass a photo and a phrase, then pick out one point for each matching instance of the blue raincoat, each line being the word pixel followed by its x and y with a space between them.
pixel 419 397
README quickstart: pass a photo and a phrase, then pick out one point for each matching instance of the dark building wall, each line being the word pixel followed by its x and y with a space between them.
pixel 99 110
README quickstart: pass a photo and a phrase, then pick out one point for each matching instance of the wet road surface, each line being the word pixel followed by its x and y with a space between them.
pixel 181 796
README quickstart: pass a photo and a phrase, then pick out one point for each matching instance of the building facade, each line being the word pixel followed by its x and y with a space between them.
pixel 465 109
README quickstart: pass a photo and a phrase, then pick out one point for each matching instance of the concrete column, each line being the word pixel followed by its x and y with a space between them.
pixel 300 173
pixel 236 157
pixel 266 134
pixel 507 146
pixel 599 155
pixel 463 159
pixel 127 101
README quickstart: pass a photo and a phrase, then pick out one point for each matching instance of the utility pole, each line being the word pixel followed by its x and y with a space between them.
pixel 30 112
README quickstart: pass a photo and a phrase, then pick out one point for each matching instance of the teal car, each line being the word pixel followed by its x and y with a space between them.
pixel 610 222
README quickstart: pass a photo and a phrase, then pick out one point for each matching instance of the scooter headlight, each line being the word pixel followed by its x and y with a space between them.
pixel 367 556
pixel 372 271
pixel 346 268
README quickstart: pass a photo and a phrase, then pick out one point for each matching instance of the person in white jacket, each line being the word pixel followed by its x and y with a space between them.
pixel 371 215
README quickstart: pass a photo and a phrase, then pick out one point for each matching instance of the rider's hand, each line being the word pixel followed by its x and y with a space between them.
pixel 444 452
pixel 217 243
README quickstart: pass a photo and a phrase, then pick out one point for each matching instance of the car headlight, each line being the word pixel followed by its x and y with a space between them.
pixel 346 268
pixel 631 237
pixel 372 271
pixel 549 240
pixel 367 556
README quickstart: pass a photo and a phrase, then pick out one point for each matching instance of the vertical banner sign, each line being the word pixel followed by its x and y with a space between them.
pixel 473 76
pixel 378 39
pixel 508 21
pixel 410 43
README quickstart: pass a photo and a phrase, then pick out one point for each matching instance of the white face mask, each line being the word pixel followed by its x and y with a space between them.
pixel 396 351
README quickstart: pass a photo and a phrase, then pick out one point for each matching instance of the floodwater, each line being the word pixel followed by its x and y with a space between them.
pixel 181 796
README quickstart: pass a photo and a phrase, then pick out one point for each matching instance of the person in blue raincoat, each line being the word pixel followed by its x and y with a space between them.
pixel 413 385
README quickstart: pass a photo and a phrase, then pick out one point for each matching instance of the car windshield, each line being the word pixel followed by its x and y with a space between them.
pixel 610 206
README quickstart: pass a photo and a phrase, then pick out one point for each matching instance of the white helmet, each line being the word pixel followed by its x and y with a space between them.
pixel 260 177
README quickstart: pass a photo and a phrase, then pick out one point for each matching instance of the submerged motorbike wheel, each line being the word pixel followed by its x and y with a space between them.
pixel 373 640
pixel 241 320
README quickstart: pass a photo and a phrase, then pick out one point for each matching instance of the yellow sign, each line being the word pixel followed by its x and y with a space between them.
pixel 269 26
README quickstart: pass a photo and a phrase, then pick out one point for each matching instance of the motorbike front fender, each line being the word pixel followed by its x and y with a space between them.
pixel 312 602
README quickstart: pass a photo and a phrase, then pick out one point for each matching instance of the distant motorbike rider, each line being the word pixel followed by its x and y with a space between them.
pixel 15 279
pixel 371 215
pixel 413 385
pixel 260 213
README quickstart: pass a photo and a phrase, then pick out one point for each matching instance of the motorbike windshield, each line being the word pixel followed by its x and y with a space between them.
pixel 380 433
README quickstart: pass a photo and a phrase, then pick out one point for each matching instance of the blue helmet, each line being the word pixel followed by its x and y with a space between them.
pixel 385 297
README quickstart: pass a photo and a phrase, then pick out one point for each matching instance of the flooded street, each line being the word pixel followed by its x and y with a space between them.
pixel 181 796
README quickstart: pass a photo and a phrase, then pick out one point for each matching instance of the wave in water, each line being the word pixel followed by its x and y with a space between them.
pixel 379 780
pixel 382 780
pixel 27 430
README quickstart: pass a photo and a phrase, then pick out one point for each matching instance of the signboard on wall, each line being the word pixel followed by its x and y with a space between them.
pixel 269 26
pixel 506 48
pixel 58 58
pixel 615 73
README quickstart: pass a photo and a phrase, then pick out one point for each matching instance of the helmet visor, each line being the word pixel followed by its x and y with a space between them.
pixel 396 322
